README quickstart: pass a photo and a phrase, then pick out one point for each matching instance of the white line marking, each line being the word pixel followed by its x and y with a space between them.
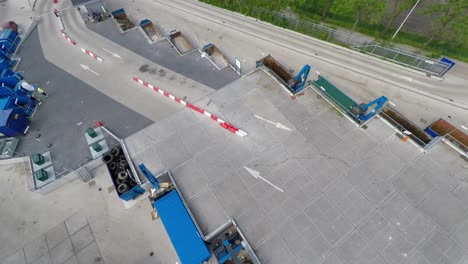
pixel 256 175
pixel 112 53
pixel 278 124
pixel 86 68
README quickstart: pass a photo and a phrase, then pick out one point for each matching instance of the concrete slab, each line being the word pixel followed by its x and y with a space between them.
pixel 409 220
pixel 45 259
pixel 355 249
pixel 17 258
pixel 342 156
pixel 322 172
pixel 379 131
pixel 208 211
pixel 160 130
pixel 386 238
pixel 328 219
pixel 299 148
pixel 151 158
pixel 56 235
pixel 89 254
pixel 233 195
pixel 62 251
pixel 189 179
pixel 173 151
pixel 354 206
pixel 35 249
pixel 256 224
pixel 445 210
pixel 319 135
pixel 213 167
pixel 82 238
pixel 75 223
pixel 195 138
pixel 438 247
pixel 275 250
pixel 304 239
pixel 334 120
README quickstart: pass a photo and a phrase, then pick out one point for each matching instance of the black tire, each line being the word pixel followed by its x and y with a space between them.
pixel 108 158
pixel 112 166
pixel 115 152
pixel 122 188
pixel 119 181
pixel 123 175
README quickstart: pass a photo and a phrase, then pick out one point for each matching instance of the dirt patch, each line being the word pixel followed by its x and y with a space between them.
pixel 144 68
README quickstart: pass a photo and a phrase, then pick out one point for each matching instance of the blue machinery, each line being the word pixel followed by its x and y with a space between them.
pixel 16 102
pixel 226 243
pixel 359 113
pixel 292 84
pixel 364 112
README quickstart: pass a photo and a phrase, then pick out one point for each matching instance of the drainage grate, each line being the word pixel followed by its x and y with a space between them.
pixel 83 174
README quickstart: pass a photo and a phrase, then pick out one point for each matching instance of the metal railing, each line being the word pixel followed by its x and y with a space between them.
pixel 405 58
pixel 351 40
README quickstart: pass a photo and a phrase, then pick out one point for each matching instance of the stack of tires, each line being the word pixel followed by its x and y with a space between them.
pixel 117 165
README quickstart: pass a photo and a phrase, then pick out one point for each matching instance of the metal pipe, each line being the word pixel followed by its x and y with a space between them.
pixel 217 231
pixel 406 18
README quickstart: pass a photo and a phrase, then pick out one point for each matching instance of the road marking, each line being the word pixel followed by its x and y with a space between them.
pixel 256 175
pixel 278 124
pixel 86 68
pixel 464 127
pixel 391 103
pixel 79 124
pixel 413 80
pixel 112 53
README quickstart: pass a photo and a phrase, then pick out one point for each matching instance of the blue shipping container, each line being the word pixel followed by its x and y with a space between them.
pixel 188 244
pixel 13 122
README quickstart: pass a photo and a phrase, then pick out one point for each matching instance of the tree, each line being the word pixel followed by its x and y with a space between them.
pixel 449 21
pixel 361 10
pixel 326 8
pixel 396 7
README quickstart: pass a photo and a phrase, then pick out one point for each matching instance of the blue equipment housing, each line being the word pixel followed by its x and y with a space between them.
pixel 9 78
pixel 300 79
pixel 362 111
pixel 186 240
pixel 9 40
pixel 13 122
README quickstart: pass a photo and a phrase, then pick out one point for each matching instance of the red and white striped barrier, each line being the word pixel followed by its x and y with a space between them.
pixel 221 122
pixel 94 56
pixel 71 41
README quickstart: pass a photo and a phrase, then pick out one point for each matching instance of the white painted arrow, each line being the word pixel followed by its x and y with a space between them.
pixel 86 68
pixel 112 53
pixel 278 124
pixel 256 175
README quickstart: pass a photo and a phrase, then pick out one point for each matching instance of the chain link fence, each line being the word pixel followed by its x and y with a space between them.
pixel 348 39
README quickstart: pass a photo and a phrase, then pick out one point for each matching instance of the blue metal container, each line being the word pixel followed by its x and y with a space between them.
pixel 132 193
pixel 186 240
pixel 13 122
pixel 9 39
pixel 7 103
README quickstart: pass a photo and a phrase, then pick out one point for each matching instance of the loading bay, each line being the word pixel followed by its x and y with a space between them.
pixel 338 194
